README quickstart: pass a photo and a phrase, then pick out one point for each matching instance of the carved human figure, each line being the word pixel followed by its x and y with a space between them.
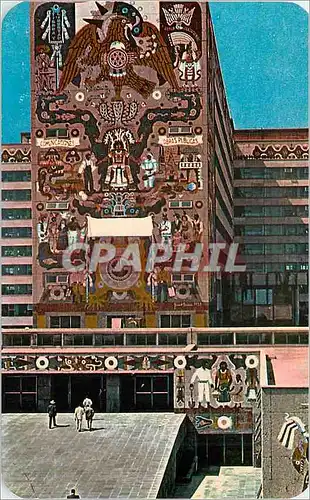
pixel 119 173
pixel 188 64
pixel 149 165
pixel 204 383
pixel 165 229
pixel 87 168
pixel 237 395
pixel 223 380
pixel 197 228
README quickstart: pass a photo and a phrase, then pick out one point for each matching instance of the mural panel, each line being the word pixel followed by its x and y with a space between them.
pixel 117 132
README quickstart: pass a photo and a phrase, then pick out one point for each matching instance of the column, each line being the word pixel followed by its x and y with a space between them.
pixel 44 384
pixel 113 393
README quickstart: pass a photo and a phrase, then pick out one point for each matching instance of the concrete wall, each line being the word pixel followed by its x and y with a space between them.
pixel 280 479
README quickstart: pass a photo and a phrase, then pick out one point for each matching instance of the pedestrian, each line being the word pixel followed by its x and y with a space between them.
pixel 87 402
pixel 89 415
pixel 73 494
pixel 52 412
pixel 78 415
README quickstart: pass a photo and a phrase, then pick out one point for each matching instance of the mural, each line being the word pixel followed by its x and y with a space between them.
pixel 117 132
pixel 300 456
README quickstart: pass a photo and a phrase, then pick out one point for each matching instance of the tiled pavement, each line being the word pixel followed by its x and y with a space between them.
pixel 125 456
pixel 232 482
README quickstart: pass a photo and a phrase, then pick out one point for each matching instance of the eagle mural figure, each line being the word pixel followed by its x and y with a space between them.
pixel 111 45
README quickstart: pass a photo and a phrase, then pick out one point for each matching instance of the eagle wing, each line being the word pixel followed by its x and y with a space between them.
pixel 84 38
pixel 159 58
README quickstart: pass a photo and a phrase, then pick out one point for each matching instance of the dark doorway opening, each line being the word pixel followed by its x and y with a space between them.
pixel 87 385
pixel 70 390
pixel 230 450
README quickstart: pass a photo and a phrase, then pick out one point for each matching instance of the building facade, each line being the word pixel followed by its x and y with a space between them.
pixel 16 235
pixel 271 189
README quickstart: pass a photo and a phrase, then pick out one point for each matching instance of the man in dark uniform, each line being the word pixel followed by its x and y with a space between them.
pixel 73 494
pixel 52 412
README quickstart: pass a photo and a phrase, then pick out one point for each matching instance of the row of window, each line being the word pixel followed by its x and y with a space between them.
pixel 272 230
pixel 272 192
pixel 16 194
pixel 271 173
pixel 276 267
pixel 166 321
pixel 271 211
pixel 274 248
pixel 16 176
pixel 18 251
pixel 16 289
pixel 16 232
pixel 18 270
pixel 16 310
pixel 152 339
pixel 16 213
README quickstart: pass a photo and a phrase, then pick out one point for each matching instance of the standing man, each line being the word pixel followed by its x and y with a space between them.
pixel 73 494
pixel 52 412
pixel 87 402
pixel 78 415
pixel 204 380
pixel 86 168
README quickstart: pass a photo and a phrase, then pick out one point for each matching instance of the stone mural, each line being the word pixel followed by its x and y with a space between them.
pixel 117 132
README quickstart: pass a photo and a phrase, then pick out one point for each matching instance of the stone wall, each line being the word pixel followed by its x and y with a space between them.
pixel 280 478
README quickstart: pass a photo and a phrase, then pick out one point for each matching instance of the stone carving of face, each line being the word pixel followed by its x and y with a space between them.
pixel 299 457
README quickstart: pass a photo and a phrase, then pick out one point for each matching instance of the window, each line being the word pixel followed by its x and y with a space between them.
pixel 253 230
pixel 21 270
pixel 151 392
pixel 175 321
pixel 16 289
pixel 248 296
pixel 180 204
pixel 109 339
pixel 123 322
pixel 254 249
pixel 61 133
pixel 16 340
pixel 78 339
pixel 140 339
pixel 273 230
pixel 16 310
pixel 18 251
pixel 16 176
pixel 215 339
pixel 16 232
pixel 65 322
pixel 167 339
pixel 297 248
pixel 51 340
pixel 16 213
pixel 16 194
pixel 250 338
pixel 263 296
pixel 249 192
pixel 274 249
pixel 273 211
pixel 20 394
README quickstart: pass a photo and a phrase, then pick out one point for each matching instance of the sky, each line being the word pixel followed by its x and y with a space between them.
pixel 263 54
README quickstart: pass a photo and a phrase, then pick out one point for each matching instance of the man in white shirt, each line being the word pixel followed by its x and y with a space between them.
pixel 78 415
pixel 87 402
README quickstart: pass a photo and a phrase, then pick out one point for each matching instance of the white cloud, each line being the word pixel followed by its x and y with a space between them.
pixel 304 5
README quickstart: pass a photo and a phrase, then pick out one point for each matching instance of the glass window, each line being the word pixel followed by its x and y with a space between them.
pixel 253 249
pixel 18 251
pixel 167 339
pixel 57 132
pixel 143 384
pixel 21 270
pixel 49 340
pixel 175 321
pixel 16 340
pixel 16 213
pixel 16 194
pixel 274 248
pixel 263 296
pixel 248 296
pixel 109 339
pixel 78 339
pixel 16 175
pixel 11 384
pixel 273 211
pixel 29 384
pixel 16 289
pixel 133 339
pixel 16 310
pixel 280 338
pixel 253 230
pixel 65 322
pixel 16 232
pixel 273 230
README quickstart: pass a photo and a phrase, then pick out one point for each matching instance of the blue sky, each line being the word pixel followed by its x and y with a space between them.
pixel 263 53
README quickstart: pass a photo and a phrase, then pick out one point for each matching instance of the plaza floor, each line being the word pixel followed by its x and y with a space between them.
pixel 125 456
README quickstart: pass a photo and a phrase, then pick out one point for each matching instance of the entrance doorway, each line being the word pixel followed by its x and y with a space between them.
pixel 229 450
pixel 70 390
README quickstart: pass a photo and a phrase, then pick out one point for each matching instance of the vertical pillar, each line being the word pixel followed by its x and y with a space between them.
pixel 44 385
pixel 69 393
pixel 113 393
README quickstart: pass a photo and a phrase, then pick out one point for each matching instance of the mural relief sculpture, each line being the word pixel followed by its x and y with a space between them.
pixel 300 456
pixel 117 128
